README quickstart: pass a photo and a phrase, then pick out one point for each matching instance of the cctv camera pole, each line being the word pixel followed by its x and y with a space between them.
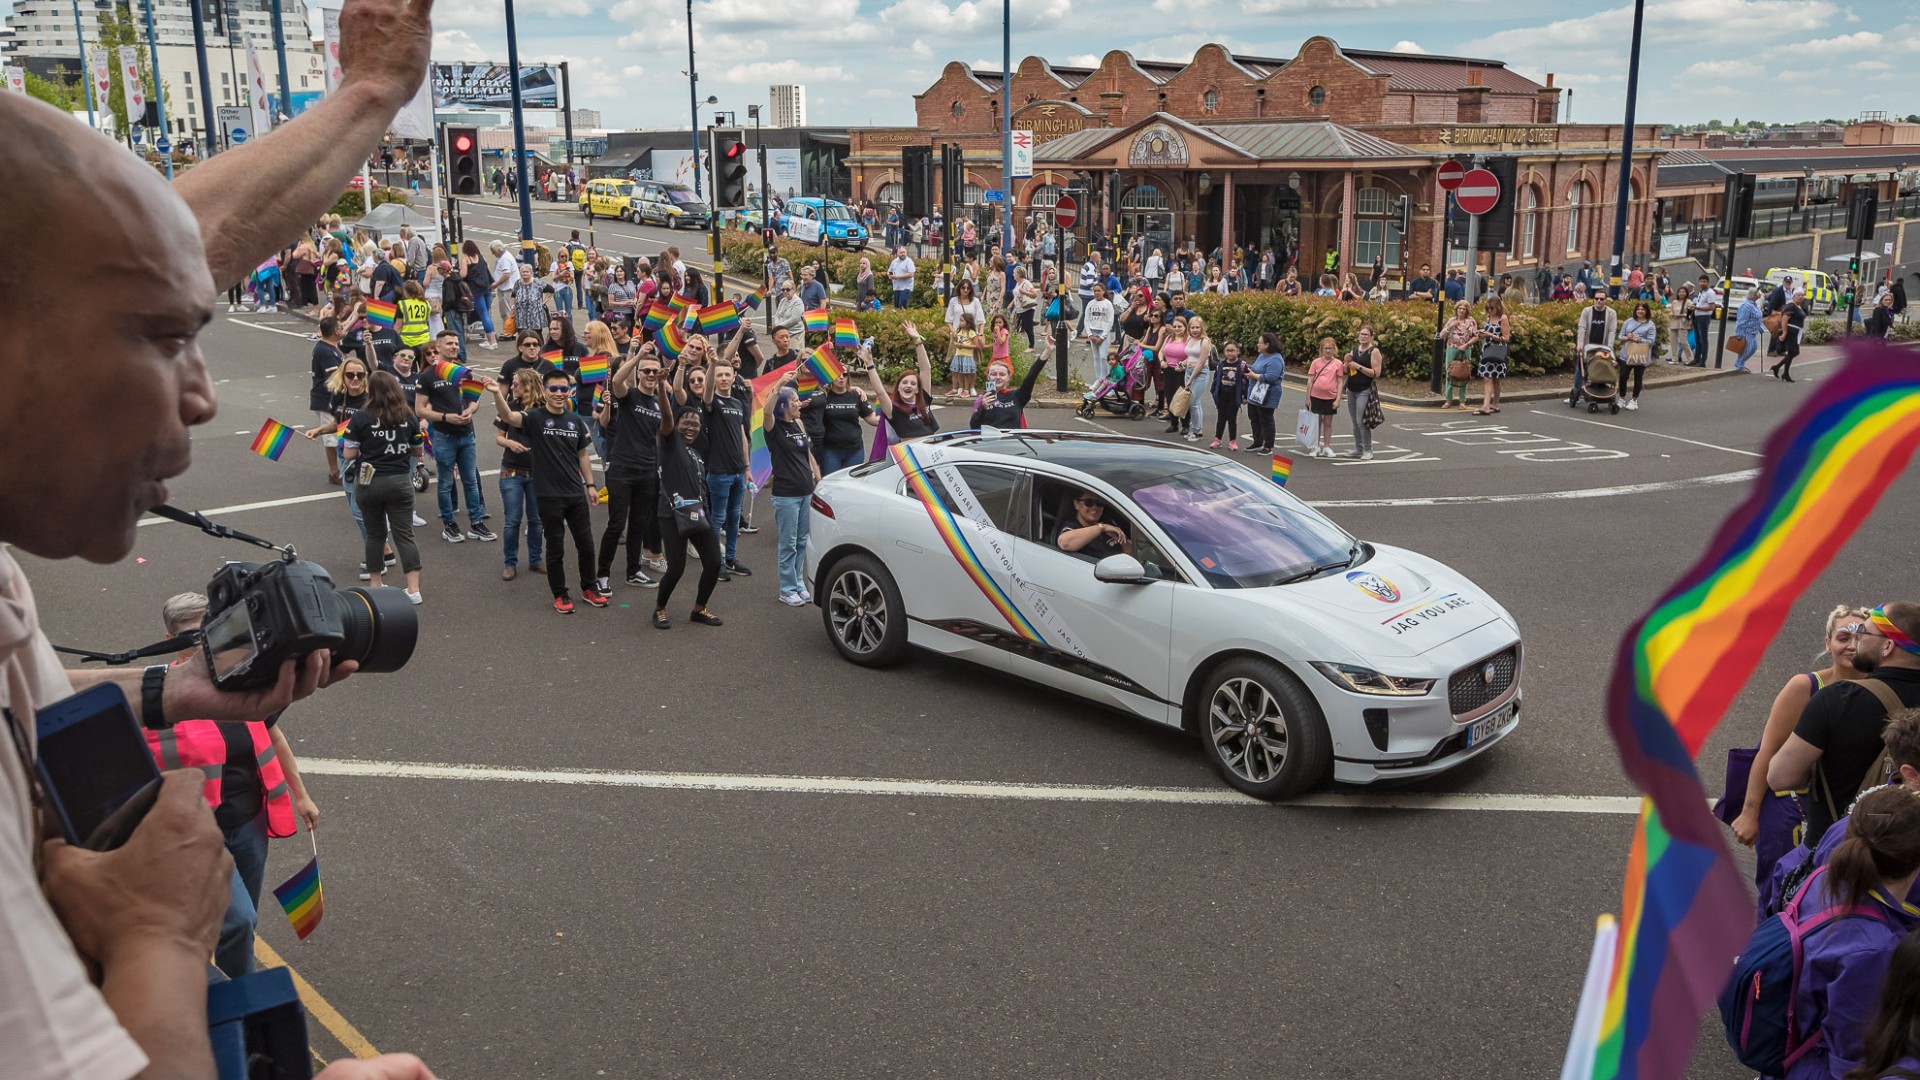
pixel 519 140
pixel 1614 274
pixel 206 81
pixel 280 54
pixel 693 102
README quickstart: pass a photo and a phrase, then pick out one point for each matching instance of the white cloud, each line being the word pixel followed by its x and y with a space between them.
pixel 921 49
pixel 784 71
pixel 1721 70
pixel 456 45
pixel 632 71
pixel 970 18
pixel 1319 7
pixel 1405 46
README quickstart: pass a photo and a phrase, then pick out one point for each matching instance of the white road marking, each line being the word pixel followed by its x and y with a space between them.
pixel 306 335
pixel 966 789
pixel 1581 493
pixel 271 503
pixel 1643 431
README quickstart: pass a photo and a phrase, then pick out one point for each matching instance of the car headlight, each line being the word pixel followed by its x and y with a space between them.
pixel 1363 680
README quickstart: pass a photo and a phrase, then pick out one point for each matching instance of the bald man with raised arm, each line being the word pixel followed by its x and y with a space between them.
pixel 103 959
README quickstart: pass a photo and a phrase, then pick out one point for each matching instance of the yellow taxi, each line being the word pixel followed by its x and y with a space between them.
pixel 607 198
pixel 1822 297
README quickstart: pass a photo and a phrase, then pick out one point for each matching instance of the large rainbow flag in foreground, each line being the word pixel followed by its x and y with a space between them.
pixel 759 458
pixel 1685 912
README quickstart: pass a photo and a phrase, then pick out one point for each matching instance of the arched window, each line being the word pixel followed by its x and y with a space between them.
pixel 959 110
pixel 1210 101
pixel 1044 197
pixel 1317 96
pixel 889 194
pixel 1144 197
pixel 1373 237
pixel 1530 223
pixel 1575 198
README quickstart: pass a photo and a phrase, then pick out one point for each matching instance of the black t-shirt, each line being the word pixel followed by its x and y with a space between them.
pixel 386 281
pixel 1002 408
pixel 408 382
pixel 683 469
pixel 725 420
pixel 555 440
pixel 1134 324
pixel 343 407
pixel 1360 382
pixel 1096 549
pixel 388 449
pixel 792 454
pixel 1426 285
pixel 443 397
pixel 325 358
pixel 241 796
pixel 636 431
pixel 512 366
pixel 1597 327
pixel 386 342
pixel 834 419
pixel 509 457
pixel 775 361
pixel 1844 721
pixel 912 425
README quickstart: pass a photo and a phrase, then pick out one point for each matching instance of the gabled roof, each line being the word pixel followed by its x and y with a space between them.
pixel 1405 71
pixel 1284 140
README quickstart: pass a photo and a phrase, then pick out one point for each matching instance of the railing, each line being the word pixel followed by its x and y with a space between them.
pixel 1704 233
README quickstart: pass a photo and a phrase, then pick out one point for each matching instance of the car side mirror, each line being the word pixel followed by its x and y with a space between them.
pixel 1122 570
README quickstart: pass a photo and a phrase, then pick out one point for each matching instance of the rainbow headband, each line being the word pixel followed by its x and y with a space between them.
pixel 1891 632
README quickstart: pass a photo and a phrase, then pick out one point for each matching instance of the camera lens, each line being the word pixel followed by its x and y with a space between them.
pixel 380 627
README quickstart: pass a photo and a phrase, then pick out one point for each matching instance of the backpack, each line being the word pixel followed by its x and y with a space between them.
pixel 455 296
pixel 1756 1007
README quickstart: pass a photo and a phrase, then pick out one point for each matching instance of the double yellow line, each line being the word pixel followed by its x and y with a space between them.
pixel 317 1007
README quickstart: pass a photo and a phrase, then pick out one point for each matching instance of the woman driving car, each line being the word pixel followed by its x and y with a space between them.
pixel 1088 534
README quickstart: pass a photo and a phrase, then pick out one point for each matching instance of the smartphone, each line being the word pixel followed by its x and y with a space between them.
pixel 94 763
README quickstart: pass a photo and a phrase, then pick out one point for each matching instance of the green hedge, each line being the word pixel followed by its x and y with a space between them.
pixel 350 205
pixel 1542 334
pixel 747 254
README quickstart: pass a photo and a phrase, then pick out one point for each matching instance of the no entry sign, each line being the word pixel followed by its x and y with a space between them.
pixel 1066 212
pixel 1479 192
pixel 1451 173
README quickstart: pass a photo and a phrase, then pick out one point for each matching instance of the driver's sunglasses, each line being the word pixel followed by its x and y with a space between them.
pixel 1095 503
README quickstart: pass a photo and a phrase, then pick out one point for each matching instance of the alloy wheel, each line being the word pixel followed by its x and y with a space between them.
pixel 1248 729
pixel 858 610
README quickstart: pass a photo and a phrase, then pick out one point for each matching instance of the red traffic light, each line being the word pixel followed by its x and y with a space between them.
pixel 734 150
pixel 463 143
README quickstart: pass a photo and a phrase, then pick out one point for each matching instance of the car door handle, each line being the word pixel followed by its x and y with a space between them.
pixel 910 547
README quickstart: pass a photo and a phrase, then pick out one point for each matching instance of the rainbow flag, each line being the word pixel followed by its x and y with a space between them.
pixel 846 333
pixel 824 365
pixel 554 357
pixel 448 371
pixel 751 301
pixel 672 339
pixel 679 303
pixel 807 384
pixel 300 898
pixel 272 440
pixel 759 458
pixel 472 389
pixel 381 313
pixel 658 315
pixel 1282 469
pixel 1684 909
pixel 817 320
pixel 719 319
pixel 596 368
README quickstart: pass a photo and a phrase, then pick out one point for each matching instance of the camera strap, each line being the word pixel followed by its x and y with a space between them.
pixel 158 648
pixel 223 532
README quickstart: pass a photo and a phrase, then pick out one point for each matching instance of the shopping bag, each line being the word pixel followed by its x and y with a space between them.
pixel 1306 430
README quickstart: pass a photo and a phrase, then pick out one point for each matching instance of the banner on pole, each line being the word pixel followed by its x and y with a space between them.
pixel 132 93
pixel 415 120
pixel 330 38
pixel 1020 165
pixel 101 66
pixel 17 80
pixel 257 92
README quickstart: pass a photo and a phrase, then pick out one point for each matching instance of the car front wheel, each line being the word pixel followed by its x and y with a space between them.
pixel 1263 730
pixel 863 613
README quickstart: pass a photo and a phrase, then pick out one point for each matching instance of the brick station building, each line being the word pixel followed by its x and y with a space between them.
pixel 1311 150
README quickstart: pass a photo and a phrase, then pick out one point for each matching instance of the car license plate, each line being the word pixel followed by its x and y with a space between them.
pixel 1488 726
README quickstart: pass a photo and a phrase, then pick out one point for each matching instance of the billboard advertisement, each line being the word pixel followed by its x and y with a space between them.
pixel 676 167
pixel 487 86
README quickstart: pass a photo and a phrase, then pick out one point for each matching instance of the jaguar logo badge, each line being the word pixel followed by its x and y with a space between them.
pixel 1375 586
pixel 1489 673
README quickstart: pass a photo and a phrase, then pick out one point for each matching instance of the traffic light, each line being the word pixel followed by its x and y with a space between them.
pixel 1863 209
pixel 1402 220
pixel 463 160
pixel 953 176
pixel 916 181
pixel 1737 206
pixel 727 160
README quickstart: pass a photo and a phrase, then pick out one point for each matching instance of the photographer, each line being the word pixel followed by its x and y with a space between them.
pixel 144 916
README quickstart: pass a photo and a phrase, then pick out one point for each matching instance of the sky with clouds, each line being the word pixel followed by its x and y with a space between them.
pixel 862 60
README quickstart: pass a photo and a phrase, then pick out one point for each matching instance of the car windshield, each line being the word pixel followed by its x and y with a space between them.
pixel 682 195
pixel 836 212
pixel 622 189
pixel 1241 531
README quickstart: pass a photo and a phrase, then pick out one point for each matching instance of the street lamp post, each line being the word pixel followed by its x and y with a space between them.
pixel 766 220
pixel 1614 271
pixel 519 139
pixel 693 102
pixel 1006 129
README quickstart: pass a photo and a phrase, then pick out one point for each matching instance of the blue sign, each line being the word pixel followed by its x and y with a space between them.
pixel 237 135
pixel 994 195
pixel 164 145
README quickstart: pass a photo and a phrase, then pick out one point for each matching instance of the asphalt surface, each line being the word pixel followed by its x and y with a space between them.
pixel 508 928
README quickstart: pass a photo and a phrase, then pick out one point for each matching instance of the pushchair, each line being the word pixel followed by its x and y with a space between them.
pixel 1122 392
pixel 1600 382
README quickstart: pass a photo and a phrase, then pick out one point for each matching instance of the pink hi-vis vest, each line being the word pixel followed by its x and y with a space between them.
pixel 199 744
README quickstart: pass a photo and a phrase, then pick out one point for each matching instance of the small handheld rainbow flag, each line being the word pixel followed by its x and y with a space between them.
pixel 672 339
pixel 751 301
pixel 472 389
pixel 679 303
pixel 448 371
pixel 1282 469
pixel 300 898
pixel 824 365
pixel 381 313
pixel 817 320
pixel 846 333
pixel 806 383
pixel 719 319
pixel 657 316
pixel 554 357
pixel 595 368
pixel 272 440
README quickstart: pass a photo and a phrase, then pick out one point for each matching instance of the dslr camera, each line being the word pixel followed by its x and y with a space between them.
pixel 260 615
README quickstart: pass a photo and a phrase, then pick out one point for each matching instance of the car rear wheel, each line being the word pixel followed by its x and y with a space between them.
pixel 863 613
pixel 1263 731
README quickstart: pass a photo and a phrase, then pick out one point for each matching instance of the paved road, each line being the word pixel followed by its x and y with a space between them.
pixel 700 883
